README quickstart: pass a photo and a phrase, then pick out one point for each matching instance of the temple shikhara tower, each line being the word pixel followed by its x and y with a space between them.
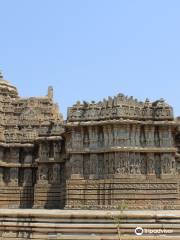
pixel 105 153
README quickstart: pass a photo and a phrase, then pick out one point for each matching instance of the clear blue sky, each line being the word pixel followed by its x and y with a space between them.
pixel 89 49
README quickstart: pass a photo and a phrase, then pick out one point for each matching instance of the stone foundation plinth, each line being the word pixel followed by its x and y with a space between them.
pixel 88 224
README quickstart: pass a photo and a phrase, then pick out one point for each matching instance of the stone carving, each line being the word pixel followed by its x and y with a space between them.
pixel 28 177
pixel 118 148
pixel 120 106
pixel 43 173
pixel 150 163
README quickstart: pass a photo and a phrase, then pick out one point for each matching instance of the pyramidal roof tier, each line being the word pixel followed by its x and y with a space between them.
pixel 6 88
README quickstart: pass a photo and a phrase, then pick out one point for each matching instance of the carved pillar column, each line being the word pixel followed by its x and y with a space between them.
pixel 28 178
pixel 137 135
pixel 128 135
pixel 82 132
pixel 74 145
pixel 54 174
pixel 39 152
pixel 149 135
pixel 111 163
pixel 117 163
pixel 110 135
pixel 44 152
pixel 156 137
pixel 105 131
pixel 93 166
pixel 77 139
pixel 100 138
pixel 150 165
pixel 91 142
pixel 1 176
pixel 57 150
pixel 85 138
pixel 133 135
pixel 137 163
pixel 173 165
pixel 106 165
pixel 13 172
pixel 115 133
pixel 164 136
pixel 93 133
pixel 1 153
pixel 143 161
pixel 170 137
pixel 146 131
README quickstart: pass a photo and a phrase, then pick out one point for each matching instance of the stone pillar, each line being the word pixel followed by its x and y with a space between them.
pixel 43 151
pixel 93 136
pixel 100 165
pixel 156 137
pixel 13 176
pixel 137 164
pixel 128 135
pixel 28 178
pixel 165 136
pixel 170 137
pixel 115 134
pixel 54 174
pixel 106 164
pixel 93 166
pixel 110 135
pixel 137 136
pixel 149 135
pixel 1 153
pixel 85 137
pixel 90 137
pixel 111 163
pixel 101 137
pixel 77 138
pixel 133 136
pixel 117 163
pixel 57 150
pixel 151 165
pixel 74 145
pixel 106 140
pixel 1 176
pixel 143 161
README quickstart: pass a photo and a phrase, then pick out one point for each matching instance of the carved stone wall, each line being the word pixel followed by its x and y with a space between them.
pixel 118 149
pixel 117 144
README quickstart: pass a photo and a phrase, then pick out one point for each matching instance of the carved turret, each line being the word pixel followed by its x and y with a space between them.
pixel 6 88
pixel 50 92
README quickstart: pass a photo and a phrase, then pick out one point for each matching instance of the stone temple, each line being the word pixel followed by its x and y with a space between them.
pixel 105 153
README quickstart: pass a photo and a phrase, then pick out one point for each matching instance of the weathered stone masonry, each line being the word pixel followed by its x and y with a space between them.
pixel 116 150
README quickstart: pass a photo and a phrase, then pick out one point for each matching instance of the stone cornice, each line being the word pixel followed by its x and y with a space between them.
pixel 123 149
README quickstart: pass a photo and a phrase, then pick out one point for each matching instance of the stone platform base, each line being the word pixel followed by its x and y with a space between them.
pixel 88 224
